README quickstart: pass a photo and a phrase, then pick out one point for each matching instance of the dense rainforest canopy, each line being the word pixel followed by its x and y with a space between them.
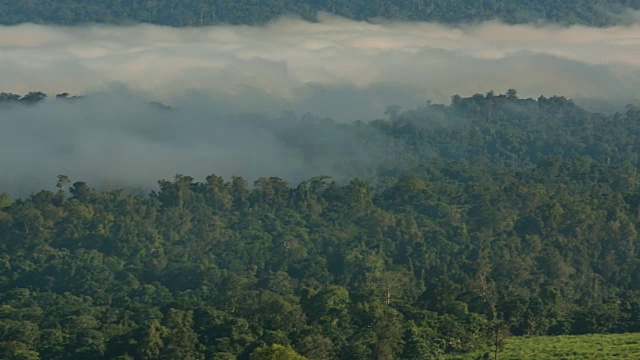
pixel 207 12
pixel 506 216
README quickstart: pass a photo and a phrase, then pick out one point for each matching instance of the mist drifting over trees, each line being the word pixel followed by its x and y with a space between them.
pixel 315 180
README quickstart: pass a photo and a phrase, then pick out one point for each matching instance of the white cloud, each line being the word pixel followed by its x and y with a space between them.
pixel 336 67
pixel 288 59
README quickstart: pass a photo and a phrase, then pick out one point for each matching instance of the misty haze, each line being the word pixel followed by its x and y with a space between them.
pixel 319 180
pixel 336 68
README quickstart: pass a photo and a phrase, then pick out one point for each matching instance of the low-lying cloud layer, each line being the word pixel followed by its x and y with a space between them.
pixel 335 68
pixel 117 139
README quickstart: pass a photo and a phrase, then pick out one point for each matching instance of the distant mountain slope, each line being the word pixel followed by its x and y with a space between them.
pixel 207 12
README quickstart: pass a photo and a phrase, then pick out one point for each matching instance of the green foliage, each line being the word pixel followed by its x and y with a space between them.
pixel 518 217
pixel 206 12
pixel 275 352
pixel 588 347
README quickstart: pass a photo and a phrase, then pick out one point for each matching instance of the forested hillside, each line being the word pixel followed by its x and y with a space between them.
pixel 207 12
pixel 497 129
pixel 500 215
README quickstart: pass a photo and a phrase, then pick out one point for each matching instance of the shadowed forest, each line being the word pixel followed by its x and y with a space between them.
pixel 210 12
pixel 489 217
pixel 218 190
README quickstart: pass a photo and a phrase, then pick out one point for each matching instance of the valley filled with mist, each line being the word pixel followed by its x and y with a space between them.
pixel 315 181
pixel 336 69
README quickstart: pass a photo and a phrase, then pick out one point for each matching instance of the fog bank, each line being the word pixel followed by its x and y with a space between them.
pixel 336 68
